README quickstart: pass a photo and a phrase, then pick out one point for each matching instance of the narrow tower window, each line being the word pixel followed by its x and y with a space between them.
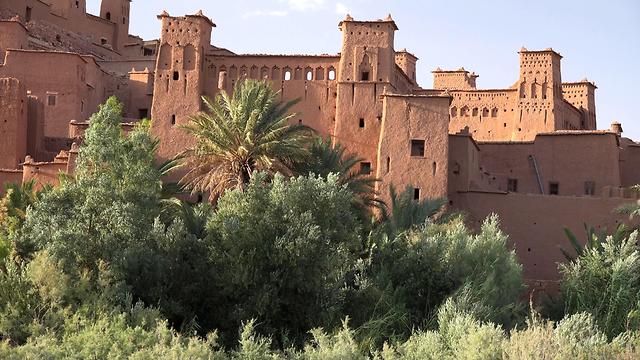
pixel 108 16
pixel 416 194
pixel 361 123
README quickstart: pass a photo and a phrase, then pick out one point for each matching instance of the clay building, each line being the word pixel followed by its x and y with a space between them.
pixel 529 152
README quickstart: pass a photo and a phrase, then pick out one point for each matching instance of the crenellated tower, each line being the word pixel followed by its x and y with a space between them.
pixel 117 11
pixel 539 91
pixel 179 79
pixel 367 70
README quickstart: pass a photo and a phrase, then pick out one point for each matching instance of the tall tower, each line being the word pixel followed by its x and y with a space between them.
pixel 539 90
pixel 117 11
pixel 367 69
pixel 179 78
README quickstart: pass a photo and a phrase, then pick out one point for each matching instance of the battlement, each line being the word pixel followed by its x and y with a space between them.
pixel 460 79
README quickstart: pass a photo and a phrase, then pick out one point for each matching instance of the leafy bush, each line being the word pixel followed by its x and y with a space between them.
pixel 605 282
pixel 409 277
pixel 282 252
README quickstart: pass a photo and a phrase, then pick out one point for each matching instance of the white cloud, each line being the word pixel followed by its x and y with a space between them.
pixel 304 5
pixel 257 13
pixel 342 9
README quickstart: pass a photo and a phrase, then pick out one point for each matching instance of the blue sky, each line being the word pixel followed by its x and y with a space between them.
pixel 599 39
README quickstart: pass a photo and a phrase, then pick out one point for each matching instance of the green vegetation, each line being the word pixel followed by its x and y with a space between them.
pixel 285 265
pixel 240 134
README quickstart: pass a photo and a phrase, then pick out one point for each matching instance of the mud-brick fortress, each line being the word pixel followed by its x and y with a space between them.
pixel 529 152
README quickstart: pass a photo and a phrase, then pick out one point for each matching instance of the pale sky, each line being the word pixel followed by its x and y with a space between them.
pixel 599 40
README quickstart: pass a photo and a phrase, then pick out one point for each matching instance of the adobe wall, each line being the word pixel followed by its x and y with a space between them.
pixel 494 115
pixel 367 70
pixel 466 173
pixel 46 173
pixel 629 162
pixel 535 223
pixel 9 176
pixel 66 16
pixel 414 118
pixel 570 159
pixel 311 79
pixel 582 96
pixel 124 67
pixel 534 104
pixel 454 80
pixel 13 35
pixel 76 83
pixel 13 123
pixel 35 129
pixel 140 94
pixel 406 61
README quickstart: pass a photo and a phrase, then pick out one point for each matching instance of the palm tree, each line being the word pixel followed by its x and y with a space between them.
pixel 326 158
pixel 595 240
pixel 239 134
pixel 407 212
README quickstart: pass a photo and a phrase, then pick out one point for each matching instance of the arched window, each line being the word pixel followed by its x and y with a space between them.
pixel 233 72
pixel 464 111
pixel 253 73
pixel 189 57
pixel 494 112
pixel 365 69
pixel 534 90
pixel 320 73
pixel 287 74
pixel 523 85
pixel 332 73
pixel 485 112
pixel 264 72
pixel 297 74
pixel 544 90
pixel 275 73
pixel 474 112
pixel 308 73
pixel 454 111
pixel 108 16
pixel 164 59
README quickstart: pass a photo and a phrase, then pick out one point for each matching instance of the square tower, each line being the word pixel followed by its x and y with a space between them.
pixel 367 68
pixel 117 11
pixel 179 77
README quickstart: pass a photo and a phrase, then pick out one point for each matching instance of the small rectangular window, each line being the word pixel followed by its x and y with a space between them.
pixel 417 147
pixel 173 119
pixel 52 99
pixel 416 194
pixel 143 113
pixel 27 15
pixel 589 187
pixel 512 185
pixel 554 188
pixel 176 75
pixel 365 168
pixel 103 41
pixel 365 76
pixel 361 123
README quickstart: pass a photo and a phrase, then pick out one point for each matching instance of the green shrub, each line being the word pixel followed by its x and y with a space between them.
pixel 605 282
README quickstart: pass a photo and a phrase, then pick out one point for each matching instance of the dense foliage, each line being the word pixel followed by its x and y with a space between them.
pixel 107 265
